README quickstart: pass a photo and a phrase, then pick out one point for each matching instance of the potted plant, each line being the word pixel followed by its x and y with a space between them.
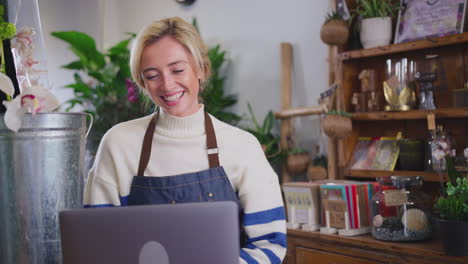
pixel 317 170
pixel 376 24
pixel 452 210
pixel 337 124
pixel 213 97
pixel 103 85
pixel 297 160
pixel 335 30
pixel 270 142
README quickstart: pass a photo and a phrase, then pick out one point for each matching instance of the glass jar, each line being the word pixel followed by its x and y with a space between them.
pixel 401 211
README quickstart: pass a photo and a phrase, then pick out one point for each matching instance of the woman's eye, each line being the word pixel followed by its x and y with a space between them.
pixel 151 77
pixel 178 71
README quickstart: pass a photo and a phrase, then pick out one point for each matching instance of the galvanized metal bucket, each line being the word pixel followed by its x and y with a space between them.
pixel 41 173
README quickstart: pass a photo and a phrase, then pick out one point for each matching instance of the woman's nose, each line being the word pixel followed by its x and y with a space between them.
pixel 168 82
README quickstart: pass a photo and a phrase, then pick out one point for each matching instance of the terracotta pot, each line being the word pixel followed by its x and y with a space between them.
pixel 297 163
pixel 335 32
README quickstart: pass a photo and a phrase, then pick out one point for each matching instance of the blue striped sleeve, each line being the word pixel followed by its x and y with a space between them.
pixel 264 217
pixel 271 256
pixel 247 258
pixel 274 238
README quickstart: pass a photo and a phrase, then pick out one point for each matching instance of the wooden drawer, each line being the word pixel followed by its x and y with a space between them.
pixel 308 256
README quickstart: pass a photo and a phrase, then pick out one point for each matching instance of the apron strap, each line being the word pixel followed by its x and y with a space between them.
pixel 211 144
pixel 147 143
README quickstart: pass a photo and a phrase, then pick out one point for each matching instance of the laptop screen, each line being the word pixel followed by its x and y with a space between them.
pixel 173 234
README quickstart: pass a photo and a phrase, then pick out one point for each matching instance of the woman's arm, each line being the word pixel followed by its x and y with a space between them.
pixel 264 220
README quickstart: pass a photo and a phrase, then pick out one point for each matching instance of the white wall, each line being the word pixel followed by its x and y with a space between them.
pixel 250 32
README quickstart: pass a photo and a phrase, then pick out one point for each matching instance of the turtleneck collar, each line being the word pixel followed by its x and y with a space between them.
pixel 181 127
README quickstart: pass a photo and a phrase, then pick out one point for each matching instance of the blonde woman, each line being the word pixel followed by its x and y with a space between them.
pixel 183 154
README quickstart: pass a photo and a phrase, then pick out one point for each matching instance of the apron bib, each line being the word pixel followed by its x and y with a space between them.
pixel 202 186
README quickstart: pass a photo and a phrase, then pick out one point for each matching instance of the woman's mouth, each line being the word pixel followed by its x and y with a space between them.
pixel 172 97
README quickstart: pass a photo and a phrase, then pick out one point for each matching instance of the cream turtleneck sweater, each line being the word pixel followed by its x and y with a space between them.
pixel 179 147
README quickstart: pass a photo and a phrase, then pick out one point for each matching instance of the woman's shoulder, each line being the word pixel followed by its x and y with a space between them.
pixel 234 134
pixel 128 129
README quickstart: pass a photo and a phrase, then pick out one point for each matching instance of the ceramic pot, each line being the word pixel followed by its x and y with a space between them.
pixel 454 237
pixel 376 31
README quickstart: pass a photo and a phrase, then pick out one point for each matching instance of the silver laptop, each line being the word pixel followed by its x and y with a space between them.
pixel 164 234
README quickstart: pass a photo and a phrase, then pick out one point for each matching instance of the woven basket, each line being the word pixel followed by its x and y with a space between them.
pixel 337 126
pixel 297 163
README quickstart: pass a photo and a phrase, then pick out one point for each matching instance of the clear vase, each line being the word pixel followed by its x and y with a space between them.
pixel 401 211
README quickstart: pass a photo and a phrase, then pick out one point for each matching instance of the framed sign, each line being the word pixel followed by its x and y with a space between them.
pixel 419 19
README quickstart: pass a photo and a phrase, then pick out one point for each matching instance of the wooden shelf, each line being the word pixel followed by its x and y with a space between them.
pixel 368 248
pixel 405 47
pixel 372 174
pixel 412 114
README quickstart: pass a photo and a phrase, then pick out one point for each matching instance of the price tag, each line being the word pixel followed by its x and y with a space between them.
pixel 395 197
pixel 431 121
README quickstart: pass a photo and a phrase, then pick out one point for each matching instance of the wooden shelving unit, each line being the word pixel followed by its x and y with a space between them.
pixel 405 47
pixel 373 174
pixel 412 114
pixel 315 247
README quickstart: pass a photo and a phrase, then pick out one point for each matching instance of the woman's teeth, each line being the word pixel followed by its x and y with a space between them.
pixel 173 98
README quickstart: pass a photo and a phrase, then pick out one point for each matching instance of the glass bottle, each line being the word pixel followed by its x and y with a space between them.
pixel 401 211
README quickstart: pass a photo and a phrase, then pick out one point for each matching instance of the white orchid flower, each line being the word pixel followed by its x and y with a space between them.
pixel 35 99
pixel 6 85
pixel 14 114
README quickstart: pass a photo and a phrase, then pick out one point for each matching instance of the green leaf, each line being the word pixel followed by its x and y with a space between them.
pixel 76 65
pixel 81 88
pixel 83 46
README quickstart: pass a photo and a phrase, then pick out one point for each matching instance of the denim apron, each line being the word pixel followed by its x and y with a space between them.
pixel 202 186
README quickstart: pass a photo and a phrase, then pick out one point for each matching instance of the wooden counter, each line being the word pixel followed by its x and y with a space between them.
pixel 317 248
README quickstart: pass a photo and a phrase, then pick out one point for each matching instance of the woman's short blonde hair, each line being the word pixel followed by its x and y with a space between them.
pixel 186 34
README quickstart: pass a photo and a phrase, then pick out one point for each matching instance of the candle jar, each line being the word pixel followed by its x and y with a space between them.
pixel 401 211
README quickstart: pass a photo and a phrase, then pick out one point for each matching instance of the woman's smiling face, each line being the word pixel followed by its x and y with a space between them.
pixel 170 76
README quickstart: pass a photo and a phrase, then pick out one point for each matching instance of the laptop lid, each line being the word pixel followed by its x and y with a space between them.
pixel 165 234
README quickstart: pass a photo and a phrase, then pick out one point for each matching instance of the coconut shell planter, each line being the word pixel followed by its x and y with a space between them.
pixel 297 163
pixel 334 32
pixel 337 125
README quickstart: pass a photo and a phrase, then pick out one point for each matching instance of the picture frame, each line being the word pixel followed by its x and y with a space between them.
pixel 420 19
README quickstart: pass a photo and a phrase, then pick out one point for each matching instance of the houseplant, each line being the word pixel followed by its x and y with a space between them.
pixel 376 24
pixel 317 169
pixel 452 210
pixel 215 100
pixel 297 160
pixel 263 132
pixel 335 30
pixel 103 85
pixel 337 124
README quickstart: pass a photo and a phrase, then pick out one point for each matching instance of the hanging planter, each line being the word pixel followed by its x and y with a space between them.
pixel 297 161
pixel 335 30
pixel 337 124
